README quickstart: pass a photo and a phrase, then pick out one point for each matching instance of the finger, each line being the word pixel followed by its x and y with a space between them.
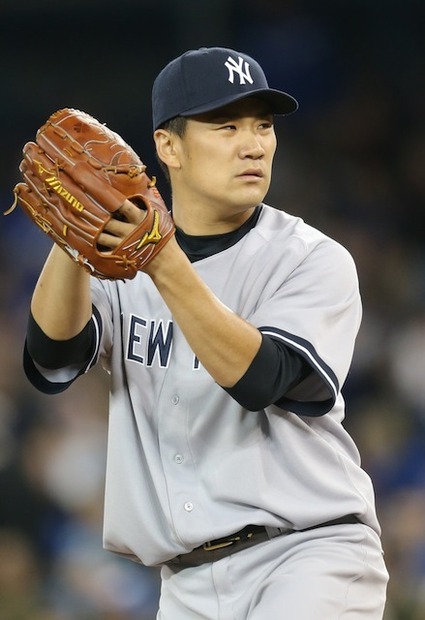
pixel 119 228
pixel 107 242
pixel 132 212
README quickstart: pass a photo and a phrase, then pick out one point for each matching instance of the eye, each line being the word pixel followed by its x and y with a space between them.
pixel 266 124
pixel 228 127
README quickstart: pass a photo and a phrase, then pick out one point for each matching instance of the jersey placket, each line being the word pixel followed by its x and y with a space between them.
pixel 182 480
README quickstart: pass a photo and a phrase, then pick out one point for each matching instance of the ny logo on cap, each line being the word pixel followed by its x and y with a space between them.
pixel 241 68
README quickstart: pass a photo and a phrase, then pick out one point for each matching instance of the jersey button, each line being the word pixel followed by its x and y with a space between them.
pixel 175 399
pixel 188 506
pixel 179 458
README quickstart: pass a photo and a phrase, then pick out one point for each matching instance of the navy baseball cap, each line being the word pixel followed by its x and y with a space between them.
pixel 208 78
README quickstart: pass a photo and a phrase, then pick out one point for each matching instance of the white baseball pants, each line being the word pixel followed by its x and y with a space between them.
pixel 331 573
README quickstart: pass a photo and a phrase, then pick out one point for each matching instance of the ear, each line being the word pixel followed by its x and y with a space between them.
pixel 165 143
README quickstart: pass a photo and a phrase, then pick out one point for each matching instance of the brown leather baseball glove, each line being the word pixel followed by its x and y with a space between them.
pixel 77 174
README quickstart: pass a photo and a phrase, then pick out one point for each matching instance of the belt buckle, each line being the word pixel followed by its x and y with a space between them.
pixel 214 545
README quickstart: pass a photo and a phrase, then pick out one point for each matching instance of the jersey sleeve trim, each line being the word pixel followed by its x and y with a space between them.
pixel 313 407
pixel 98 329
pixel 274 370
pixel 41 383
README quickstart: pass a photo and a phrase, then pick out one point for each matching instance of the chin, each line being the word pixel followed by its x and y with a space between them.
pixel 253 199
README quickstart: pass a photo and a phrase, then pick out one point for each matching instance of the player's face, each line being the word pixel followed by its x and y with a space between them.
pixel 225 157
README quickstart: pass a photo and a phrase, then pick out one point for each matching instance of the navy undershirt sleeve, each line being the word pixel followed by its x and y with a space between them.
pixel 54 354
pixel 274 370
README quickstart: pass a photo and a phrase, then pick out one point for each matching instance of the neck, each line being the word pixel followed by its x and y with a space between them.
pixel 195 221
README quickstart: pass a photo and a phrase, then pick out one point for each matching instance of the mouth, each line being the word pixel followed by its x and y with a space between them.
pixel 253 173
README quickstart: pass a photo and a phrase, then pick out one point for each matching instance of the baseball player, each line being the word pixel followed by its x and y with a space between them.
pixel 228 464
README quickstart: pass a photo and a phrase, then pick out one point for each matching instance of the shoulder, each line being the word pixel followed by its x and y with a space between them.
pixel 286 233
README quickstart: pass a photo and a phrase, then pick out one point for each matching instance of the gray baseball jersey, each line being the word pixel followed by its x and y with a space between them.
pixel 186 462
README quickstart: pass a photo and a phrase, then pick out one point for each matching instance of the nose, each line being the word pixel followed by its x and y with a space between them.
pixel 251 146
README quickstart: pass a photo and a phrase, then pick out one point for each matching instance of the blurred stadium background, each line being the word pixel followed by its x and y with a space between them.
pixel 351 162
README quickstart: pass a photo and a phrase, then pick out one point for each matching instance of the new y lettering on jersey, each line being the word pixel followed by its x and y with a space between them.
pixel 151 340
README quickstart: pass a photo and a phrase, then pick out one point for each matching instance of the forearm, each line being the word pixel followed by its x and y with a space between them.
pixel 224 343
pixel 61 302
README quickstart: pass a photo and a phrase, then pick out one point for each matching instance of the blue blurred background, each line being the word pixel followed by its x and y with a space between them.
pixel 351 162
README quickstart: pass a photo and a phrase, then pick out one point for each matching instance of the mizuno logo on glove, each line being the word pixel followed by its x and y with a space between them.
pixel 154 236
pixel 52 181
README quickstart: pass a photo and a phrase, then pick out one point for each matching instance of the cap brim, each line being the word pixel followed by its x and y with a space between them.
pixel 280 102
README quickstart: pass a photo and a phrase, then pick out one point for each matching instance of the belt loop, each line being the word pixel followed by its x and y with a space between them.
pixel 273 532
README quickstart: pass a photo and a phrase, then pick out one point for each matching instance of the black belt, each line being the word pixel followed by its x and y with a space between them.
pixel 247 537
